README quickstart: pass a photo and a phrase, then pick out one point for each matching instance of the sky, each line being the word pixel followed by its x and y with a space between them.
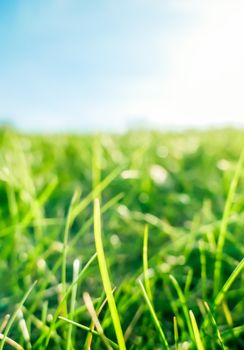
pixel 76 65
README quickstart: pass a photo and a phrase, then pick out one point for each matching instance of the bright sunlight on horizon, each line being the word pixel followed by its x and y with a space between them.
pixel 71 65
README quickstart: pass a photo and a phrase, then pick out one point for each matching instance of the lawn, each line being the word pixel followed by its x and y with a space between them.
pixel 131 241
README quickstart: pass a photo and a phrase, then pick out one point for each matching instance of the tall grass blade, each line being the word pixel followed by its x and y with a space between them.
pixel 105 276
pixel 183 304
pixel 65 248
pixel 203 269
pixel 224 224
pixel 154 317
pixel 214 324
pixel 76 268
pixel 145 263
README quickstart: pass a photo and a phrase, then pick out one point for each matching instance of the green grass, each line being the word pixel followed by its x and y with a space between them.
pixel 92 215
pixel 154 318
pixel 196 332
pixel 145 263
pixel 105 276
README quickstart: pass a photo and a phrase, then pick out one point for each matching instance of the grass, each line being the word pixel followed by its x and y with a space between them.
pixel 14 315
pixel 224 223
pixel 154 317
pixel 196 332
pixel 176 333
pixel 92 215
pixel 105 276
pixel 145 263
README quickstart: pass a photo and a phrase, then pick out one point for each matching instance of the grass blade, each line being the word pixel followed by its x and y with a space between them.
pixel 65 248
pixel 133 322
pixel 13 317
pixel 105 276
pixel 183 305
pixel 76 268
pixel 228 283
pixel 87 329
pixel 227 314
pixel 94 193
pixel 224 223
pixel 196 332
pixel 229 333
pixel 60 306
pixel 176 334
pixel 145 263
pixel 99 309
pixel 188 282
pixel 203 269
pixel 11 342
pixel 214 324
pixel 154 317
pixel 90 307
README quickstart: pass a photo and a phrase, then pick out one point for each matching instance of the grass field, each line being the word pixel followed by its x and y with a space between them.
pixel 130 241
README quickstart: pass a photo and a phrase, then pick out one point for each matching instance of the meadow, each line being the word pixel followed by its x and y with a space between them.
pixel 131 241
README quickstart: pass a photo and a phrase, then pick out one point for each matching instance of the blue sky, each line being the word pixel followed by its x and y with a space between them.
pixel 86 65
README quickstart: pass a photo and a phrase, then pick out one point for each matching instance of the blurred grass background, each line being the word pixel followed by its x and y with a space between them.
pixel 177 183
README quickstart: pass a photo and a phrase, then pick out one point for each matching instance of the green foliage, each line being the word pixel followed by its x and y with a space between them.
pixel 170 214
